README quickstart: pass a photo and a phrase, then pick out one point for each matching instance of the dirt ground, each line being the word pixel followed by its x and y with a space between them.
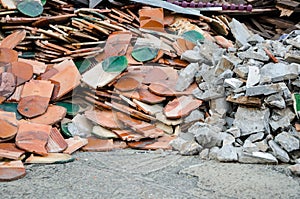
pixel 138 174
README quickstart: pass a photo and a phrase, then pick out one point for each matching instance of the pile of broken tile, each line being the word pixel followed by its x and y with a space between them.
pixel 144 88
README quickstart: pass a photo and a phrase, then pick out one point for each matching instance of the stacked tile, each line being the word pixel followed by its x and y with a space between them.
pixel 252 92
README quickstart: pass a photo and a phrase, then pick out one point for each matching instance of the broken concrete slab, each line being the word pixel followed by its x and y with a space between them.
pixel 186 76
pixel 195 115
pixel 257 158
pixel 279 71
pixel 287 141
pixel 256 137
pixel 206 135
pixel 253 76
pixel 276 100
pixel 267 89
pixel 233 83
pixel 227 153
pixel 250 147
pixel 186 147
pixel 240 32
pixel 279 153
pixel 252 120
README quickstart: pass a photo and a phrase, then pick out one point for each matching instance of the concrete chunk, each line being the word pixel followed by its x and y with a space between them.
pixel 275 100
pixel 233 83
pixel 287 141
pixel 240 32
pixel 253 76
pixel 267 89
pixel 185 147
pixel 257 158
pixel 227 153
pixel 279 71
pixel 252 120
pixel 186 76
pixel 278 152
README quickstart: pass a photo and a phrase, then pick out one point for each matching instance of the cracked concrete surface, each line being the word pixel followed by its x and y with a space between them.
pixel 139 174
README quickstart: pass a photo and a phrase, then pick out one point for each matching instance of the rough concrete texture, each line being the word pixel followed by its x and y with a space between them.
pixel 139 174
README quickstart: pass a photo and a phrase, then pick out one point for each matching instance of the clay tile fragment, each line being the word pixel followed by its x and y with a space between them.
pixel 35 98
pixel 12 40
pixel 140 127
pixel 107 119
pixel 181 107
pixel 167 88
pixel 74 144
pixel 116 45
pixel 56 142
pixel 127 135
pixel 8 55
pixel 50 158
pixel 22 71
pixel 95 144
pixel 154 144
pixel 7 85
pixel 12 170
pixel 37 66
pixel 53 115
pixel 126 84
pixel 8 125
pixel 33 137
pixel 155 75
pixel 10 151
pixel 68 78
pixel 152 19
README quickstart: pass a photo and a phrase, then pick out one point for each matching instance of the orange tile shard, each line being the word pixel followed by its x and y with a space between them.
pixel 95 144
pixel 33 137
pixel 13 39
pixel 152 19
pixel 8 125
pixel 35 98
pixel 10 151
pixel 181 107
pixel 56 143
pixel 53 115
pixel 67 78
pixel 12 170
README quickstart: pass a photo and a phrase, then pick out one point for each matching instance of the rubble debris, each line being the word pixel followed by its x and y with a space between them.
pixel 121 76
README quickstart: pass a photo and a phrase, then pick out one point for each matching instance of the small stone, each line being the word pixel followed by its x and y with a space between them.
pixel 262 145
pixel 213 153
pixel 204 154
pixel 227 139
pixel 234 131
pixel 278 152
pixel 250 147
pixel 227 153
pixel 252 120
pixel 295 169
pixel 256 137
pixel 275 100
pixel 252 54
pixel 257 158
pixel 195 115
pixel 287 141
pixel 185 147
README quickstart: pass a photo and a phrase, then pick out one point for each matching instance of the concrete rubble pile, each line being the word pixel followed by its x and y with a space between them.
pixel 250 93
pixel 145 78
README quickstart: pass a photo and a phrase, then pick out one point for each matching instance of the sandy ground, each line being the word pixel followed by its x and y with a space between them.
pixel 137 174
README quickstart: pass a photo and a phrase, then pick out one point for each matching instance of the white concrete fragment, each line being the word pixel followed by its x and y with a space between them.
pixel 278 152
pixel 287 141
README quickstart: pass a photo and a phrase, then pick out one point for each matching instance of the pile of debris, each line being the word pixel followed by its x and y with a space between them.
pixel 144 78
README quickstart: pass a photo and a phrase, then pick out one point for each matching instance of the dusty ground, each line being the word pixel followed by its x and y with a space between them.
pixel 137 174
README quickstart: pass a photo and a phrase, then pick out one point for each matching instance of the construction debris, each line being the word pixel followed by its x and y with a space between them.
pixel 113 77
